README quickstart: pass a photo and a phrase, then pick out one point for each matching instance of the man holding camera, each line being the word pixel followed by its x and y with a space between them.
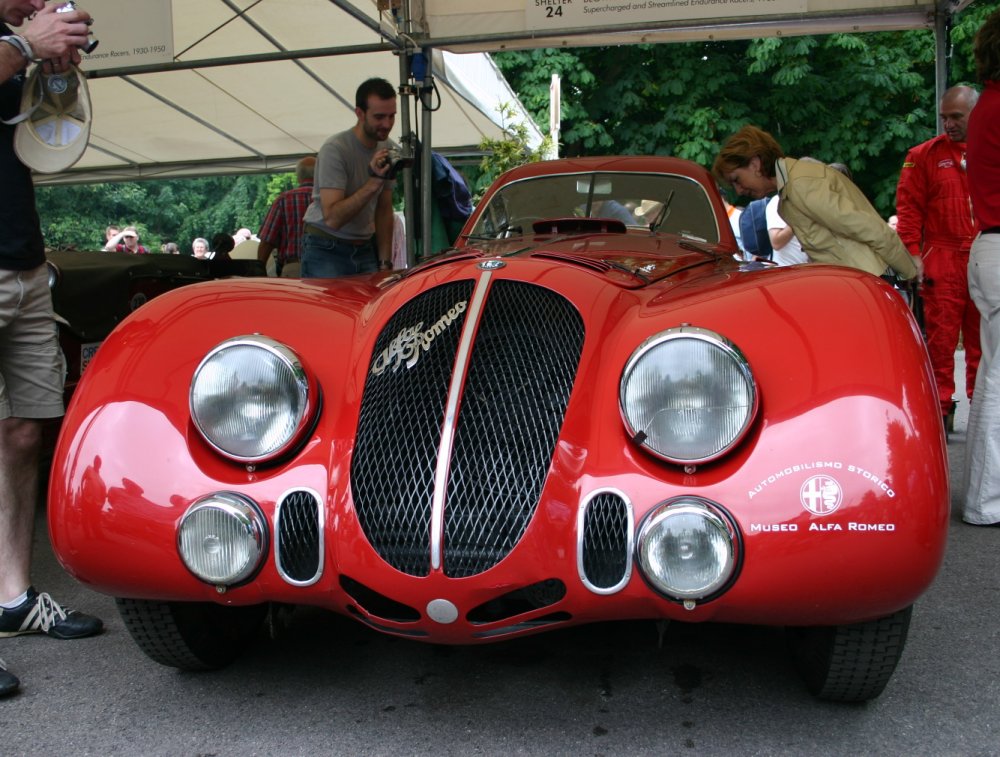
pixel 348 224
pixel 31 365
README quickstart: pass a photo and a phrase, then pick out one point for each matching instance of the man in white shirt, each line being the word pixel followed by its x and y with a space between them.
pixel 787 250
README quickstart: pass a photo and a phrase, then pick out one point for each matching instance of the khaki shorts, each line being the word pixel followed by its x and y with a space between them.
pixel 32 368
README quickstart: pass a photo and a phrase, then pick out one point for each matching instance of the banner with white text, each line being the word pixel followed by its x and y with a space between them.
pixel 575 14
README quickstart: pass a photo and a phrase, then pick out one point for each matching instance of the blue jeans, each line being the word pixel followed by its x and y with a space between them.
pixel 328 258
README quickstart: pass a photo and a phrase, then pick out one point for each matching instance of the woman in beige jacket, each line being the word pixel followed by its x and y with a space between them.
pixel 831 217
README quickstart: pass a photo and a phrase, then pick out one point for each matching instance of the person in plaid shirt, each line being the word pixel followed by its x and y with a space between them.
pixel 281 231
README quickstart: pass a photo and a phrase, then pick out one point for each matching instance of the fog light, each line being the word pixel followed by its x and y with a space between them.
pixel 222 539
pixel 687 549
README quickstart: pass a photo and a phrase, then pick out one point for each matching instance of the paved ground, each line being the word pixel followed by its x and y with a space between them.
pixel 332 687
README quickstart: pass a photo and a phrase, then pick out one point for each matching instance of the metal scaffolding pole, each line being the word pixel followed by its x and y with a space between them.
pixel 942 41
pixel 426 209
pixel 407 138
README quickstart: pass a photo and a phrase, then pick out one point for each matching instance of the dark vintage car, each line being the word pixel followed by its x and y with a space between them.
pixel 587 411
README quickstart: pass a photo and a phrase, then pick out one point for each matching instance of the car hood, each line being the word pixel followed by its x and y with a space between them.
pixel 630 260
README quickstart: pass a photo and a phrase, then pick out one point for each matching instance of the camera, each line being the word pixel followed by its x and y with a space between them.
pixel 397 161
pixel 92 43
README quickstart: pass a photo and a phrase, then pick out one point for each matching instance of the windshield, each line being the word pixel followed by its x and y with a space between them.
pixel 659 202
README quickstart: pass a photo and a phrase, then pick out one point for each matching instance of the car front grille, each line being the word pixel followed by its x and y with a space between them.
pixel 298 534
pixel 605 545
pixel 476 444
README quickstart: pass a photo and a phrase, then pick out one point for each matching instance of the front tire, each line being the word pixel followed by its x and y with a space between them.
pixel 190 635
pixel 850 663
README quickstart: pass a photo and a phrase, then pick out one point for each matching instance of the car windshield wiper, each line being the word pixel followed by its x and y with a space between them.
pixel 664 211
pixel 505 229
pixel 626 269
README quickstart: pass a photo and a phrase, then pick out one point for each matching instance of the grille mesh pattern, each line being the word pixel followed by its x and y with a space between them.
pixel 298 536
pixel 399 431
pixel 520 377
pixel 605 540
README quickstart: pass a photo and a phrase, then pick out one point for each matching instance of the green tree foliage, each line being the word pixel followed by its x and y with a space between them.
pixel 173 210
pixel 861 99
pixel 508 151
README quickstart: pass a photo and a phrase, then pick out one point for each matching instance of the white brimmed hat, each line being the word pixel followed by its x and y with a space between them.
pixel 55 128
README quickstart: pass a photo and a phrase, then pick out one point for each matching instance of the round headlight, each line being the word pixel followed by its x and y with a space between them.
pixel 687 550
pixel 687 395
pixel 250 398
pixel 222 539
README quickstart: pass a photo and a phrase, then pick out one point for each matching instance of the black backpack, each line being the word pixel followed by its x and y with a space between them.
pixel 753 229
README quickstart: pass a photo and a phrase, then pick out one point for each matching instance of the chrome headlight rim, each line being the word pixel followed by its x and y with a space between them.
pixel 305 391
pixel 717 340
pixel 713 513
pixel 244 512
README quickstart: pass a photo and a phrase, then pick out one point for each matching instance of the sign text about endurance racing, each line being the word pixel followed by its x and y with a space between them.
pixel 552 14
pixel 137 33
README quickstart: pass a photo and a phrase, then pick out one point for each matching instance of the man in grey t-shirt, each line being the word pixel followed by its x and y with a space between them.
pixel 348 224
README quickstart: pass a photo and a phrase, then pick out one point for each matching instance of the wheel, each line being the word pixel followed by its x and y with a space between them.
pixel 190 635
pixel 851 663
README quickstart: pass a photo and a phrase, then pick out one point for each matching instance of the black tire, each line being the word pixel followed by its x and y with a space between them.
pixel 190 635
pixel 851 663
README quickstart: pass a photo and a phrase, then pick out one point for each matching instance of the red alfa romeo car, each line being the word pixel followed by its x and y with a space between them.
pixel 589 410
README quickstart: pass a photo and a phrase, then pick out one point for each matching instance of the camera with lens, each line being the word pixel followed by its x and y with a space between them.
pixel 92 43
pixel 396 161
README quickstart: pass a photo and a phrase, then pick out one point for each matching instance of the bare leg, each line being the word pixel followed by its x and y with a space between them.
pixel 20 439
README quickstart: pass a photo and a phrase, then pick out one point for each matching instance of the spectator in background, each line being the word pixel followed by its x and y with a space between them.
pixel 831 217
pixel 199 248
pixel 126 240
pixel 281 232
pixel 109 234
pixel 932 200
pixel 245 245
pixel 349 224
pixel 893 222
pixel 982 447
pixel 222 245
pixel 842 168
pixel 170 248
pixel 785 245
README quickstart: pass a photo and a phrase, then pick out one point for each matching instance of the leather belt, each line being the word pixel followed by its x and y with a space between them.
pixel 991 230
pixel 318 232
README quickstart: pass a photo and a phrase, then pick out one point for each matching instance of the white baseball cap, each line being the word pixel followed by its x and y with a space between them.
pixel 56 129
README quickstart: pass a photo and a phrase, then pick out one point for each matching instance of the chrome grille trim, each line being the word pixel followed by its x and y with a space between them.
pixel 293 558
pixel 605 541
pixel 451 412
pixel 396 448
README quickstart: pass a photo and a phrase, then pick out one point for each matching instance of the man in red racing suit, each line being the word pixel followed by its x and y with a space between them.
pixel 936 222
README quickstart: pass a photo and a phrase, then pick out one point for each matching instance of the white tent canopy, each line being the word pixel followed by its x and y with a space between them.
pixel 253 85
